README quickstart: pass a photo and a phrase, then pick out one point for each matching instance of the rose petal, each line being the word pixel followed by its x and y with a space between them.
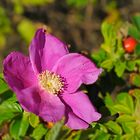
pixel 75 122
pixel 18 71
pixel 52 109
pixel 76 69
pixel 81 106
pixel 45 50
pixel 29 99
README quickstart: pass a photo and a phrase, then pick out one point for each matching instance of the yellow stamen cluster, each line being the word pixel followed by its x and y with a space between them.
pixel 51 82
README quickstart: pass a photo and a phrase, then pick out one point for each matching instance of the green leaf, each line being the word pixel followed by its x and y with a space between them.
pixel 114 127
pixel 125 118
pixel 128 127
pixel 82 134
pixel 103 128
pixel 120 68
pixel 108 100
pixel 108 32
pixel 14 129
pixel 3 86
pixel 11 106
pixel 128 137
pixel 39 132
pixel 24 124
pixel 137 61
pixel 6 116
pixel 137 50
pixel 101 136
pixel 122 109
pixel 33 120
pixel 99 56
pixel 138 131
pixel 109 103
pixel 10 109
pixel 124 104
pixel 137 107
pixel 107 64
pixel 136 21
pixel 19 127
pixel 120 50
pixel 132 31
pixel 54 131
pixel 126 101
pixel 130 65
pixel 117 137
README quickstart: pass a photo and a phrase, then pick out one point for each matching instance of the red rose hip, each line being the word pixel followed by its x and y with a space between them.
pixel 129 44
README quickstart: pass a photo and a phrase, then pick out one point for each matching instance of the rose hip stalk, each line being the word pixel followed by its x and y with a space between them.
pixel 47 82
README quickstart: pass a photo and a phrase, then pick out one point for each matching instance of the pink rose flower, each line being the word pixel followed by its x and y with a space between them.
pixel 46 83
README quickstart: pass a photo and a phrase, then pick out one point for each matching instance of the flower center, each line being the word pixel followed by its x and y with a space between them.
pixel 51 82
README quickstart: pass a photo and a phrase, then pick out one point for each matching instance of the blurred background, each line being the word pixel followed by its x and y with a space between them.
pixel 77 22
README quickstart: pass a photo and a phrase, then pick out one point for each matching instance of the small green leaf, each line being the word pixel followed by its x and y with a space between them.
pixel 125 118
pixel 53 133
pixel 107 64
pixel 136 21
pixel 122 109
pixel 128 137
pixel 128 127
pixel 120 50
pixel 109 103
pixel 130 65
pixel 103 128
pixel 24 124
pixel 18 127
pixel 125 101
pixel 114 127
pixel 39 132
pixel 109 33
pixel 33 120
pixel 120 68
pixel 117 137
pixel 10 109
pixel 99 56
pixel 137 50
pixel 108 100
pixel 6 116
pixel 102 136
pixel 137 108
pixel 11 106
pixel 14 129
pixel 132 31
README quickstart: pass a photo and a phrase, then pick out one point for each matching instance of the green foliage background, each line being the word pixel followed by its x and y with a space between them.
pixel 98 27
